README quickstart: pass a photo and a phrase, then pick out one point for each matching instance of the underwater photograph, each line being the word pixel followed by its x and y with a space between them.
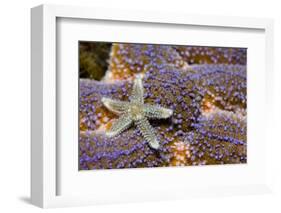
pixel 156 105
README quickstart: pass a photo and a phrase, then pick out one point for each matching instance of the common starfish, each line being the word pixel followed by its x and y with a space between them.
pixel 136 112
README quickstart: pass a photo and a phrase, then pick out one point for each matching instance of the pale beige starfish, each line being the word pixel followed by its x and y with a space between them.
pixel 136 112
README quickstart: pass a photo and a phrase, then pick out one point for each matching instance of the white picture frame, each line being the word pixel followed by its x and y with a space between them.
pixel 45 178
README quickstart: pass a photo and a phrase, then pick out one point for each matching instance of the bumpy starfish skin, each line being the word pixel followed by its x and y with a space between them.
pixel 136 112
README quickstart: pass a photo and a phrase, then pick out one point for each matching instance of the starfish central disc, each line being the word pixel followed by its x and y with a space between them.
pixel 136 111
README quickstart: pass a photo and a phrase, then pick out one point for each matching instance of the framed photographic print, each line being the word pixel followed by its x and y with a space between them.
pixel 130 106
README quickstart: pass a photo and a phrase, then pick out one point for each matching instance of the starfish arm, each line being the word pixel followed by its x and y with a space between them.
pixel 148 132
pixel 153 111
pixel 137 92
pixel 119 125
pixel 115 106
